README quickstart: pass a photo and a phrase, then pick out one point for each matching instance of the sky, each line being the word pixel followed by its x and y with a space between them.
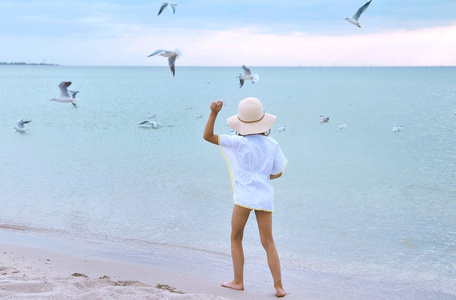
pixel 229 33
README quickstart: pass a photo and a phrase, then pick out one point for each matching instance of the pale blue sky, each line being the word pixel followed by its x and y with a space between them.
pixel 231 33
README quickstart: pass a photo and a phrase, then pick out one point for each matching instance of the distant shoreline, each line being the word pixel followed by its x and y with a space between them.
pixel 27 64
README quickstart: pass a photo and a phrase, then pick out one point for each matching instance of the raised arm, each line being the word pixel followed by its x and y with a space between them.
pixel 208 134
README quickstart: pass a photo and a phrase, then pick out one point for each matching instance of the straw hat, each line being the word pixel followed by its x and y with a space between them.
pixel 251 118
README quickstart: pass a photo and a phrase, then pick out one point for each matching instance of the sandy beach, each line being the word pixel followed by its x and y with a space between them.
pixel 30 271
pixel 34 267
pixel 34 273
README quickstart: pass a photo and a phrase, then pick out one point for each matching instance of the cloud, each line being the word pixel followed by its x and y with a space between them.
pixel 83 32
pixel 252 46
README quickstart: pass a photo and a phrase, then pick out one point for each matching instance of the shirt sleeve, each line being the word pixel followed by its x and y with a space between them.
pixel 280 161
pixel 229 144
pixel 229 141
pixel 224 140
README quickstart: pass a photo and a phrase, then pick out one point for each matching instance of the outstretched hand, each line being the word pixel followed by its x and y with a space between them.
pixel 216 106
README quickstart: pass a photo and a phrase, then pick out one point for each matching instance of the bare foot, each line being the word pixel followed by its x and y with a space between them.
pixel 280 292
pixel 233 285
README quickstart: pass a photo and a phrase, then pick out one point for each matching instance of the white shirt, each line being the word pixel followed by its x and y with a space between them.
pixel 251 160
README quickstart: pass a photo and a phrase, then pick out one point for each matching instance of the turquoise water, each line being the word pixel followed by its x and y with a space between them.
pixel 362 202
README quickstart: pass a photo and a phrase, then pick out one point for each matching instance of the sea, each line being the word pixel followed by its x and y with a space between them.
pixel 361 212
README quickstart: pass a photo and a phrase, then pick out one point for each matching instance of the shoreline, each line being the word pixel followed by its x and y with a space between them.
pixel 35 265
pixel 37 270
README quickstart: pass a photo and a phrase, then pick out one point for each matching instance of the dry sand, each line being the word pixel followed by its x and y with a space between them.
pixel 38 273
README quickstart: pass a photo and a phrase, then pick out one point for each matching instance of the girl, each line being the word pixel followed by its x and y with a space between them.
pixel 253 160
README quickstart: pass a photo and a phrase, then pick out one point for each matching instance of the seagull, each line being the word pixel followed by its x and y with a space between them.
pixel 354 19
pixel 324 119
pixel 342 125
pixel 153 124
pixel 397 128
pixel 66 95
pixel 171 6
pixel 20 125
pixel 282 128
pixel 199 115
pixel 171 55
pixel 247 76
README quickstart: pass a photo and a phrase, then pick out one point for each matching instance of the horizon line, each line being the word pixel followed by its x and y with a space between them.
pixel 231 66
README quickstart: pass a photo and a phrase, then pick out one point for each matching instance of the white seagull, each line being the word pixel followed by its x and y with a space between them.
pixel 171 55
pixel 354 19
pixel 20 125
pixel 153 124
pixel 171 6
pixel 282 128
pixel 247 76
pixel 66 95
pixel 397 128
pixel 342 125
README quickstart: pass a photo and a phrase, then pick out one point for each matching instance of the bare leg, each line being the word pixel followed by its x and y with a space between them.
pixel 264 220
pixel 238 221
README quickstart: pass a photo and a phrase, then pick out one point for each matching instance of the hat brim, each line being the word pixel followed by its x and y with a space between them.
pixel 246 128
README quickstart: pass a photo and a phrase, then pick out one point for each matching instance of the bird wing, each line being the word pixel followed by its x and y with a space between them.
pixel 162 8
pixel 361 10
pixel 172 6
pixel 73 93
pixel 156 52
pixel 63 86
pixel 241 82
pixel 144 122
pixel 171 61
pixel 20 123
pixel 246 70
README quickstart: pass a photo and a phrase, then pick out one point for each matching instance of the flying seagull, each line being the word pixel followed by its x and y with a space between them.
pixel 354 19
pixel 20 125
pixel 247 76
pixel 153 124
pixel 171 6
pixel 66 95
pixel 171 55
